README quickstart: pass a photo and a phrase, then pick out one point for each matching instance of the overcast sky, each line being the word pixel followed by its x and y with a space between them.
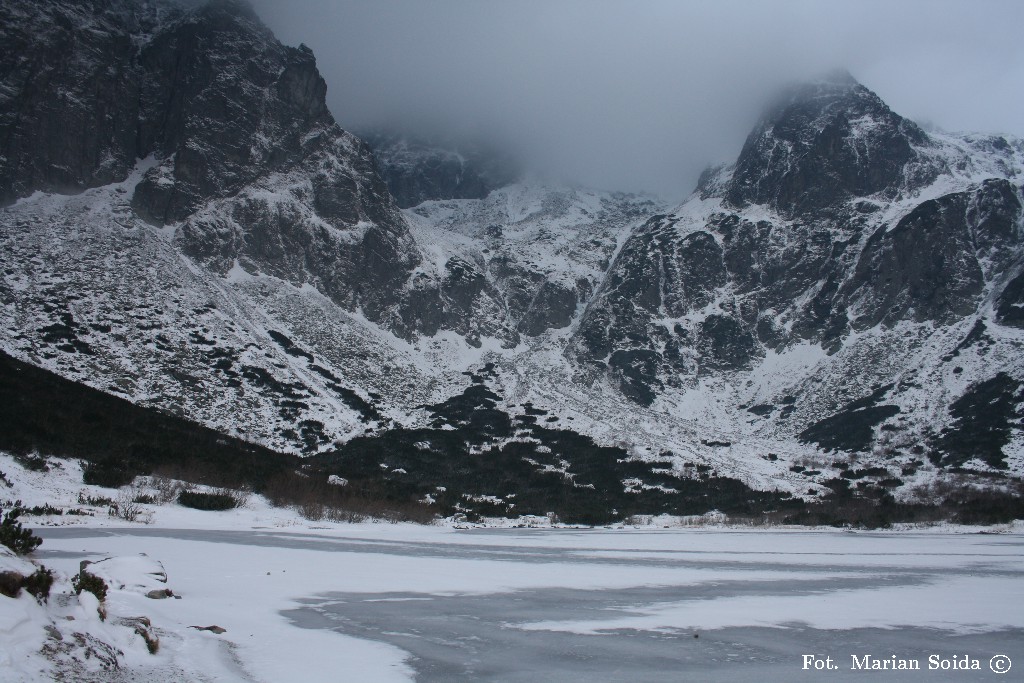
pixel 642 95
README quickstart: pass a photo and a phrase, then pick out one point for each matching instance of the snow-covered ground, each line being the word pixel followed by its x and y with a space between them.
pixel 309 601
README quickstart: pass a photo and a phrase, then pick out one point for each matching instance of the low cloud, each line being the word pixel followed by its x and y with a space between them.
pixel 642 96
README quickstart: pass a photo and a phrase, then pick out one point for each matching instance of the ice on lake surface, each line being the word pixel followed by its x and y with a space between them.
pixel 626 605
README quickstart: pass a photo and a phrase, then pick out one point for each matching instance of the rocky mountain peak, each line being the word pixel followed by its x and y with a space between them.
pixel 241 104
pixel 820 143
pixel 842 230
pixel 90 87
pixel 238 148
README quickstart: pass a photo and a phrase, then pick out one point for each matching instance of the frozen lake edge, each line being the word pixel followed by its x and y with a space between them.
pixel 399 602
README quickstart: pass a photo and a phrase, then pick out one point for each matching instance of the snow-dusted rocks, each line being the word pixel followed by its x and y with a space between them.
pixel 234 257
pixel 844 226
pixel 820 145
pixel 138 573
pixel 68 631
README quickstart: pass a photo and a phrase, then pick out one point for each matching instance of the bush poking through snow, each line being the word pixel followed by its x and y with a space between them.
pixel 107 473
pixel 44 509
pixel 38 584
pixel 96 501
pixel 33 462
pixel 127 506
pixel 312 510
pixel 160 490
pixel 342 515
pixel 10 584
pixel 241 495
pixel 207 501
pixel 21 541
pixel 91 584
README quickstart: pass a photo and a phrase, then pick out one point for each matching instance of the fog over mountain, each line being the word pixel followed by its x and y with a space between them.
pixel 644 95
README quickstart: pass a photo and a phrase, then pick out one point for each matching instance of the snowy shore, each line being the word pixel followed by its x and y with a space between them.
pixel 272 581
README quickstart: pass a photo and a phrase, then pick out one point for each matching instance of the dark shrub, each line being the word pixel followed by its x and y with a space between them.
pixel 90 583
pixel 10 584
pixel 21 541
pixel 206 501
pixel 44 509
pixel 98 501
pixel 108 473
pixel 986 507
pixel 39 583
pixel 32 462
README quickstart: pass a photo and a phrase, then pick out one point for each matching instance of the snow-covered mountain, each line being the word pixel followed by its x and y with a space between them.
pixel 185 225
pixel 848 272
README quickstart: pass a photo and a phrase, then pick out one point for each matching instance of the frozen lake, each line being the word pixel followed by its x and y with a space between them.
pixel 615 605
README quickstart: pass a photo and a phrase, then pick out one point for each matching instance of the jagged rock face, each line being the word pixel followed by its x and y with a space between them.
pixel 639 323
pixel 223 104
pixel 993 213
pixel 294 195
pixel 328 222
pixel 417 171
pixel 462 300
pixel 532 253
pixel 92 86
pixel 924 268
pixel 933 265
pixel 70 93
pixel 819 230
pixel 1010 305
pixel 248 162
pixel 553 307
pixel 822 144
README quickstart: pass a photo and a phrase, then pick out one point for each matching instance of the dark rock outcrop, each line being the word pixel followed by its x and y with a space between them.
pixel 821 144
pixel 1010 305
pixel 634 322
pixel 417 171
pixel 726 343
pixel 924 268
pixel 223 103
pixel 553 307
pixel 462 300
pixel 70 93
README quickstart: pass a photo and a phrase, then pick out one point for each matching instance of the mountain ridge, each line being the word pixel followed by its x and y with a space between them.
pixel 288 300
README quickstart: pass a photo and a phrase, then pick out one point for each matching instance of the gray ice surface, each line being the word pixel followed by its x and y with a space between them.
pixel 476 637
